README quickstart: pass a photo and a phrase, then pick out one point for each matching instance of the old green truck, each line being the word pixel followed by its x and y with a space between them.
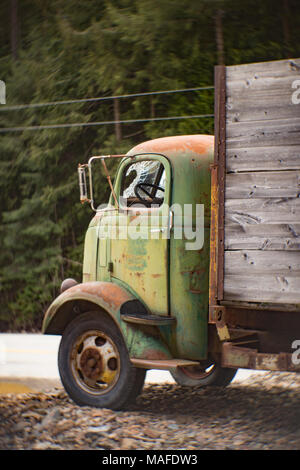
pixel 193 266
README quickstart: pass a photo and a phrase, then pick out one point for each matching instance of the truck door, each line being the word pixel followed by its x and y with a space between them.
pixel 139 230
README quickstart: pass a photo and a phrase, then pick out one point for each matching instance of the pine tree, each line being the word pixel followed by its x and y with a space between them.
pixel 67 50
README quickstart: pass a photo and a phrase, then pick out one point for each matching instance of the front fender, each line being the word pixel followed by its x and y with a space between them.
pixel 106 295
pixel 111 299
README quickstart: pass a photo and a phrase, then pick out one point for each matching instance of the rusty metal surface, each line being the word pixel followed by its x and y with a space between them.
pixel 213 274
pixel 109 182
pixel 91 363
pixel 162 364
pixel 141 263
pixel 170 280
pixel 176 146
pixel 148 319
pixel 217 315
pixel 190 158
pixel 247 358
pixel 145 342
pixel 275 330
pixel 95 361
pixel 216 268
pixel 107 295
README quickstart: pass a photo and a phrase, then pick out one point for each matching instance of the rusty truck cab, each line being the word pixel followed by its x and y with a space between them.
pixel 144 296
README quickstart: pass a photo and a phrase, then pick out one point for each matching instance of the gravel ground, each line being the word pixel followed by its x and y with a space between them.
pixel 261 413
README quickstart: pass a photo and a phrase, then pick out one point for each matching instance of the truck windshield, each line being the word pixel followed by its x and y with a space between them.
pixel 143 184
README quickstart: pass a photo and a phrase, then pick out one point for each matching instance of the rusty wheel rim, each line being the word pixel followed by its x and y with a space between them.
pixel 95 362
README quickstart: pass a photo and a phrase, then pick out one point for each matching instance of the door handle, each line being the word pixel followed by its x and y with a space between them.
pixel 154 230
pixel 171 217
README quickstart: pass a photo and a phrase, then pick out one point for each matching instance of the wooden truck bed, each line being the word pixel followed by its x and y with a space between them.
pixel 255 224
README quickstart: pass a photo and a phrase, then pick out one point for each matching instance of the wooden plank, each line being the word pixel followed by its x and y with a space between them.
pixel 242 112
pixel 243 231
pixel 254 96
pixel 261 86
pixel 278 68
pixel 262 158
pixel 285 307
pixel 263 133
pixel 262 276
pixel 262 236
pixel 262 288
pixel 262 101
pixel 260 229
pixel 266 243
pixel 263 184
pixel 264 210
pixel 252 262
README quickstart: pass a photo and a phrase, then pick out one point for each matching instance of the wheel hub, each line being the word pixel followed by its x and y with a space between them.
pixel 91 363
pixel 95 362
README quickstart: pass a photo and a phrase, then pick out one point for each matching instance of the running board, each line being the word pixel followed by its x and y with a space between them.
pixel 162 364
pixel 142 319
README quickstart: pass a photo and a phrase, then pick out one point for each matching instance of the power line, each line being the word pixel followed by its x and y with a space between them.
pixel 100 123
pixel 101 98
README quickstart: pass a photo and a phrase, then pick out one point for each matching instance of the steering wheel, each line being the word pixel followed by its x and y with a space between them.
pixel 140 186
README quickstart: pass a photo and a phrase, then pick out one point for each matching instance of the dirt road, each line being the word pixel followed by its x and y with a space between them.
pixel 262 412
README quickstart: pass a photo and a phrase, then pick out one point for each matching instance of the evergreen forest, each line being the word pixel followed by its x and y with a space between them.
pixel 71 51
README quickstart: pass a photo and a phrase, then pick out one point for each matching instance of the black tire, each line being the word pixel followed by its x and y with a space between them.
pixel 210 374
pixel 94 364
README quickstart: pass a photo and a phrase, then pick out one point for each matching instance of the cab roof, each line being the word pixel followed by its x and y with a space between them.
pixel 190 145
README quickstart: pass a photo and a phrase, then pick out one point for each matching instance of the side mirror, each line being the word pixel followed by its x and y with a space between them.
pixel 82 179
pixel 82 184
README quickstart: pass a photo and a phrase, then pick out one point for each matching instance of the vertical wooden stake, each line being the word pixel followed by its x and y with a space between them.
pixel 219 36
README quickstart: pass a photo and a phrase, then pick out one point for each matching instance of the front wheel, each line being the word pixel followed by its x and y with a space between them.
pixel 204 375
pixel 94 364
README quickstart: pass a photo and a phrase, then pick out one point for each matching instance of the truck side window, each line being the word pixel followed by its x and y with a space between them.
pixel 143 184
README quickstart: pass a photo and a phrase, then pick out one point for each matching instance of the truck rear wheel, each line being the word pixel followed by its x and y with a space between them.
pixel 94 364
pixel 205 375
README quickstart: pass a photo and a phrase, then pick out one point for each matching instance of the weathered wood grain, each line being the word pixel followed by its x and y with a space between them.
pixel 260 229
pixel 263 184
pixel 262 86
pixel 270 111
pixel 262 236
pixel 262 99
pixel 262 276
pixel 262 158
pixel 266 243
pixel 253 262
pixel 264 210
pixel 263 133
pixel 277 68
pixel 265 288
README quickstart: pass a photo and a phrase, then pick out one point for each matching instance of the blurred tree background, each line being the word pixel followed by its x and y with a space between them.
pixel 57 50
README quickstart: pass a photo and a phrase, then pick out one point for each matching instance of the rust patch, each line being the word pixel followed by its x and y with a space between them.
pixel 213 283
pixel 234 356
pixel 154 354
pixel 112 294
pixel 91 363
pixel 198 144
